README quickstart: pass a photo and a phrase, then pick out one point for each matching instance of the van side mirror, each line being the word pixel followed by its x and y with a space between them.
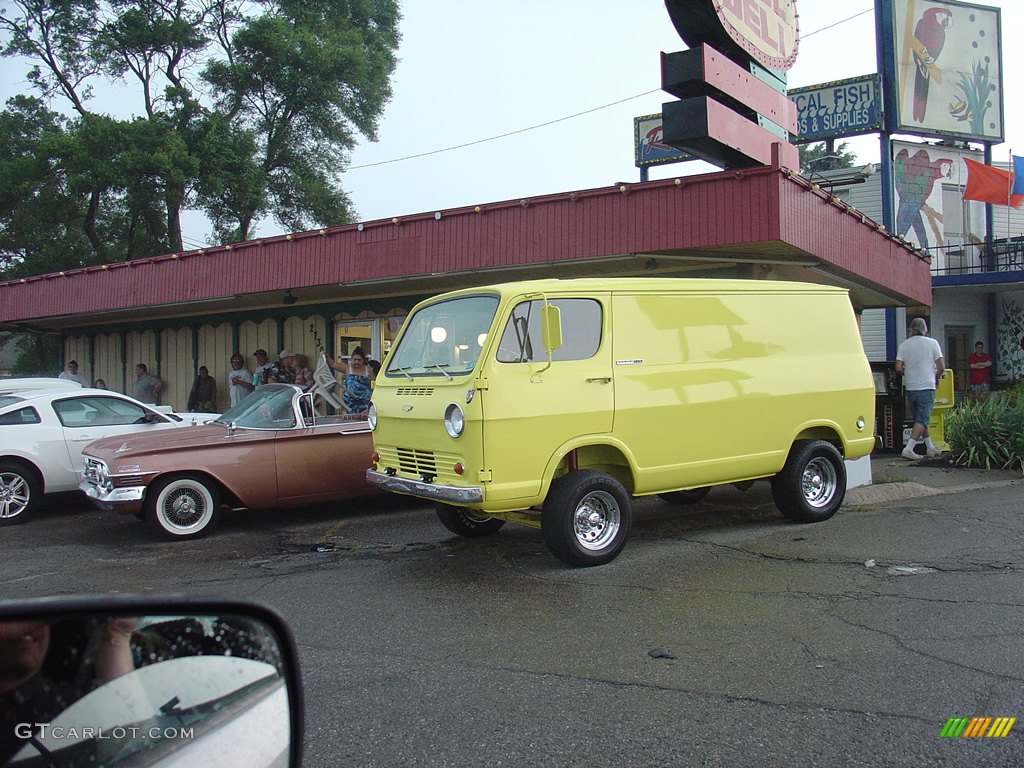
pixel 551 327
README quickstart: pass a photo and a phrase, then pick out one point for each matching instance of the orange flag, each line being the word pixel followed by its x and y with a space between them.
pixel 990 185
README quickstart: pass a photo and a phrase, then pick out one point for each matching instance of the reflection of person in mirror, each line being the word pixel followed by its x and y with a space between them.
pixel 23 647
pixel 355 380
pixel 46 666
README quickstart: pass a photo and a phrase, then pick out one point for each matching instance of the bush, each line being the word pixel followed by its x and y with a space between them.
pixel 988 433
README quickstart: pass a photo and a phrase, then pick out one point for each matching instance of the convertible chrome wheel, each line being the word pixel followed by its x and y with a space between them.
pixel 181 507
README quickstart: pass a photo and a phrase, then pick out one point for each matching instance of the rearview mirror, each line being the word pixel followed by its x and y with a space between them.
pixel 149 681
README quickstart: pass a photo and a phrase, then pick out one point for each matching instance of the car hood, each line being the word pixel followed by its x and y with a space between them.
pixel 160 441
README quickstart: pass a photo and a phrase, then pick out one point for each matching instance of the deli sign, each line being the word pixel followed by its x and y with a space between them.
pixel 767 31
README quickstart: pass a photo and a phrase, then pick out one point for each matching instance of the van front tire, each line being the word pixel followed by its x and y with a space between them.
pixel 466 522
pixel 586 518
pixel 812 484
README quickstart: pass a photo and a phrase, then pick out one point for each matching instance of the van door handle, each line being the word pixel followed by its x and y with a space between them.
pixel 600 380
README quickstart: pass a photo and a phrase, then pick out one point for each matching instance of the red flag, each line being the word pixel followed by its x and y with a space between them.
pixel 990 185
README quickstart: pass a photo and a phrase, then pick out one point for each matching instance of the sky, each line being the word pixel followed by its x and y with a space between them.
pixel 581 70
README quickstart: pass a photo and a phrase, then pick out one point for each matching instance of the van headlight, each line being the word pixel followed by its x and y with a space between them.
pixel 371 416
pixel 454 420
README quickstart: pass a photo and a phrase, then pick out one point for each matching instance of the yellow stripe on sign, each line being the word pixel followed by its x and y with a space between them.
pixel 1001 727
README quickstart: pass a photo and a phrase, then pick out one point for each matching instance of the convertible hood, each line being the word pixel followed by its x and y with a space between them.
pixel 117 448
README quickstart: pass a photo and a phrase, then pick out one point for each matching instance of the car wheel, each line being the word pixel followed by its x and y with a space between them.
pixel 689 496
pixel 812 484
pixel 20 492
pixel 181 507
pixel 467 522
pixel 586 518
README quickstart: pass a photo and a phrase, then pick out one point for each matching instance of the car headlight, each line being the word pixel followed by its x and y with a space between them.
pixel 371 416
pixel 454 420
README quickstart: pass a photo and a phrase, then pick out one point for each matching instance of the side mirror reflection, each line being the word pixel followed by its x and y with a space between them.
pixel 124 680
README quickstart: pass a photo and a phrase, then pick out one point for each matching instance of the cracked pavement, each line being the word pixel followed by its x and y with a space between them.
pixel 843 643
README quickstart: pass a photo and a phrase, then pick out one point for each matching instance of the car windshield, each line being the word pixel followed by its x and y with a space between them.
pixel 268 407
pixel 443 339
pixel 8 399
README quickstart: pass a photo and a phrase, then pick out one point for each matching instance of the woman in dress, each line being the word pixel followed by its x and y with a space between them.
pixel 355 381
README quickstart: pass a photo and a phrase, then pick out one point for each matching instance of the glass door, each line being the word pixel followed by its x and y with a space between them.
pixel 357 333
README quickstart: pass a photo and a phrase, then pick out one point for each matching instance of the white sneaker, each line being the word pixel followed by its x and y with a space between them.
pixel 934 454
pixel 908 453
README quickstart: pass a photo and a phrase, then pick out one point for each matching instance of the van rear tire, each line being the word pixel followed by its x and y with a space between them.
pixel 586 517
pixel 812 484
pixel 467 522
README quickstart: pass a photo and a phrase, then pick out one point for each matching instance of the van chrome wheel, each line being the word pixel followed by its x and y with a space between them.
pixel 586 518
pixel 812 484
pixel 597 520
pixel 819 482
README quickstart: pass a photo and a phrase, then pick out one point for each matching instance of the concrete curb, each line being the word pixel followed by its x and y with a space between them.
pixel 886 492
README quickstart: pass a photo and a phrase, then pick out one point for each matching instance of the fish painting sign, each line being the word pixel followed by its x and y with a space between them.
pixel 945 59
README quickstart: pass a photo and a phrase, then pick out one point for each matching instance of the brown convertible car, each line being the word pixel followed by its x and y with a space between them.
pixel 271 450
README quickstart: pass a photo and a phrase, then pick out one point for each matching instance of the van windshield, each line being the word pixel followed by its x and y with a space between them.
pixel 443 339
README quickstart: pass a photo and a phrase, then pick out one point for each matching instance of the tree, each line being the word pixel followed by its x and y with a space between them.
pixel 242 110
pixel 825 156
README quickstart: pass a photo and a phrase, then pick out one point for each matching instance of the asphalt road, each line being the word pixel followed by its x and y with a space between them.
pixel 721 636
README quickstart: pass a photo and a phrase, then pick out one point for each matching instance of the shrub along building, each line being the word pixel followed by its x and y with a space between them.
pixel 335 288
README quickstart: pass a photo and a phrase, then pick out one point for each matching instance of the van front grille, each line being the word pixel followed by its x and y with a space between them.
pixel 414 391
pixel 417 462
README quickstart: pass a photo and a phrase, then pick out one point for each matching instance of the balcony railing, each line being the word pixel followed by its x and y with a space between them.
pixel 1005 255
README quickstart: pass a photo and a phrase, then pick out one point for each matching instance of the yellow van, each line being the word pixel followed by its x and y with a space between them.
pixel 553 402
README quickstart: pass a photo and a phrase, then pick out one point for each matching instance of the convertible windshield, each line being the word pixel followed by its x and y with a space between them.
pixel 269 407
pixel 443 339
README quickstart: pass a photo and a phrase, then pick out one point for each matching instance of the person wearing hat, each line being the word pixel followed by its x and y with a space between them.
pixel 263 366
pixel 282 371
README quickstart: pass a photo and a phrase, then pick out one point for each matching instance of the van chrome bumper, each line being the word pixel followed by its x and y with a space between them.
pixel 447 493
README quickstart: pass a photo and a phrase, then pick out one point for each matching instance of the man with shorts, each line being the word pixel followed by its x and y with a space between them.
pixel 919 359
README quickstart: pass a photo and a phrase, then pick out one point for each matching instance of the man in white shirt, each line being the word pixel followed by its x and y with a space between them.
pixel 919 359
pixel 72 374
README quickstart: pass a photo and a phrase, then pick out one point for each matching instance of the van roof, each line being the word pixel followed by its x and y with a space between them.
pixel 650 285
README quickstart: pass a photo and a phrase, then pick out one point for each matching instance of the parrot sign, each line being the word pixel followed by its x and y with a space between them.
pixel 945 59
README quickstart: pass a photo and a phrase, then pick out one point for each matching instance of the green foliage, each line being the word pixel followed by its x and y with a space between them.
pixel 243 110
pixel 989 433
pixel 810 154
pixel 37 354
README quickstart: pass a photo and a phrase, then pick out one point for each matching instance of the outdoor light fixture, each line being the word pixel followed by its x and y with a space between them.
pixel 288 298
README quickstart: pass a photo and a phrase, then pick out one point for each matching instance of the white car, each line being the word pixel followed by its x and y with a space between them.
pixel 43 432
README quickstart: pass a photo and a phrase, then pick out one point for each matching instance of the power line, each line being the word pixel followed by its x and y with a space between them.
pixel 836 24
pixel 505 135
pixel 559 119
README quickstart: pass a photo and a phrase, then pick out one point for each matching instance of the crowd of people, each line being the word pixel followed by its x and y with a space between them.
pixel 357 371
